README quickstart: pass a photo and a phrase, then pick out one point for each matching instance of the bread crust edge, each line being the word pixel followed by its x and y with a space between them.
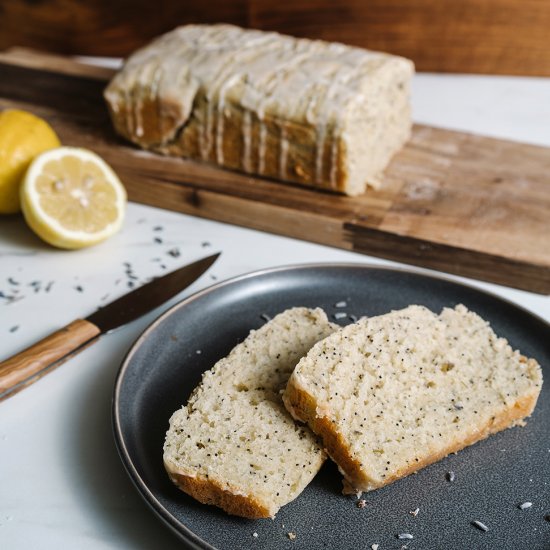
pixel 302 406
pixel 209 491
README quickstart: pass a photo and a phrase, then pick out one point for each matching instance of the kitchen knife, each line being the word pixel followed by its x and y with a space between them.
pixel 26 367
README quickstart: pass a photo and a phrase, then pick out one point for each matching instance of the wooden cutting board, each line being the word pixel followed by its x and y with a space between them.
pixel 451 201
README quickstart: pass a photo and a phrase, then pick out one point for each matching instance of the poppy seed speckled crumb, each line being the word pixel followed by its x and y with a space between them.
pixel 381 392
pixel 234 432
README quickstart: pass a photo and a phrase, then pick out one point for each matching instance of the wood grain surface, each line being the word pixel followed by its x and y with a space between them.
pixel 32 363
pixel 452 201
pixel 471 36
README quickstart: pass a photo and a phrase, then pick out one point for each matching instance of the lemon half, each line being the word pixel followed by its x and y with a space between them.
pixel 22 137
pixel 71 198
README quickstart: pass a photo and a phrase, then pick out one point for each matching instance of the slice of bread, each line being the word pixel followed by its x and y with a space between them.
pixel 394 393
pixel 234 445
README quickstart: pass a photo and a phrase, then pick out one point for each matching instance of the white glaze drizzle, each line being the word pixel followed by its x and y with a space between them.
pixel 144 77
pixel 270 86
pixel 210 123
pixel 129 102
pixel 337 92
pixel 334 162
pixel 247 141
pixel 221 115
pixel 262 142
pixel 223 78
pixel 283 153
pixel 154 96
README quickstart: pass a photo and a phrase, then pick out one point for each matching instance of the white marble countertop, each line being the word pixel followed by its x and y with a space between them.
pixel 61 481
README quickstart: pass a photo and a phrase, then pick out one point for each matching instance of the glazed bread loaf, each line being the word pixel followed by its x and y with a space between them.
pixel 391 394
pixel 320 114
pixel 234 445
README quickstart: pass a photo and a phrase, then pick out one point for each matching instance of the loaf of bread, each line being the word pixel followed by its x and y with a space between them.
pixel 234 445
pixel 320 114
pixel 391 394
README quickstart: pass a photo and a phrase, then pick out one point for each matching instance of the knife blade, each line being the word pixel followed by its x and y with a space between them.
pixel 32 363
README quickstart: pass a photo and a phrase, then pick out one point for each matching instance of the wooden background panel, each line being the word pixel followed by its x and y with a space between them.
pixel 479 36
pixel 471 36
pixel 105 27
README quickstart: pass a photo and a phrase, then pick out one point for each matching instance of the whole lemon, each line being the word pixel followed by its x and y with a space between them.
pixel 22 137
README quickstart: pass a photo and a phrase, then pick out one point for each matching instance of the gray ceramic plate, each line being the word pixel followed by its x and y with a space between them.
pixel 492 477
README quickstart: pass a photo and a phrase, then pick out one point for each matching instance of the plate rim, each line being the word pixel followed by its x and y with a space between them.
pixel 176 526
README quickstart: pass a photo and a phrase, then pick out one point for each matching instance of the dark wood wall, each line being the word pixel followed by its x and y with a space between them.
pixel 477 36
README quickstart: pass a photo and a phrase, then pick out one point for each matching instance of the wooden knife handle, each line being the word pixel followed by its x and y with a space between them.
pixel 29 365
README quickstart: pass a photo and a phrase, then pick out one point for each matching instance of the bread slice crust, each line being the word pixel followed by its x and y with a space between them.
pixel 303 408
pixel 210 491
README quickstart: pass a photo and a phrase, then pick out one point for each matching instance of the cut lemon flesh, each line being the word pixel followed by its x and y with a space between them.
pixel 71 198
pixel 22 137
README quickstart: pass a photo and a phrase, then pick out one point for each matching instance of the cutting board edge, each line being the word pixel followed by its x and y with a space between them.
pixel 348 235
pixel 451 259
